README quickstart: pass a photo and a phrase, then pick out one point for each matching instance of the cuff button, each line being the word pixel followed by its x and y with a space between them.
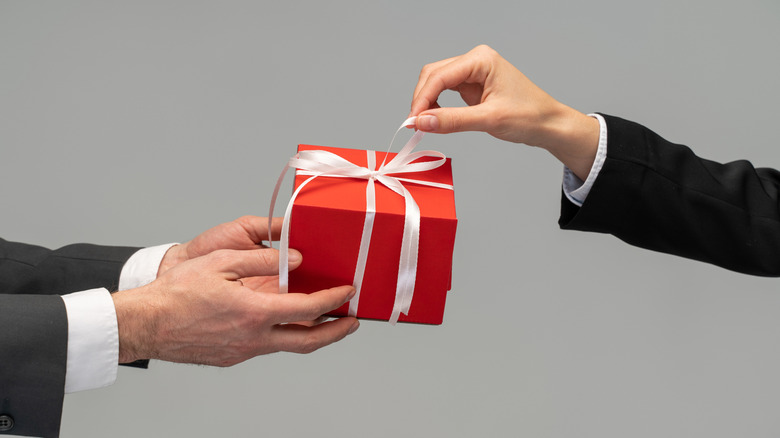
pixel 6 423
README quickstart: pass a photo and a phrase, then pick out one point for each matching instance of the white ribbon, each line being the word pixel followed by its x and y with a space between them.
pixel 317 163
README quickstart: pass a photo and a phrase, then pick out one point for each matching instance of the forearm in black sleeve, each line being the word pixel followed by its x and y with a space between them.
pixel 33 358
pixel 34 325
pixel 658 195
pixel 30 269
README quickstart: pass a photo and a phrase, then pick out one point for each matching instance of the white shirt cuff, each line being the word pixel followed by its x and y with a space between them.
pixel 141 268
pixel 574 188
pixel 93 340
pixel 93 336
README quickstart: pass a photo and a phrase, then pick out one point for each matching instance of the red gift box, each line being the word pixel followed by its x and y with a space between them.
pixel 326 227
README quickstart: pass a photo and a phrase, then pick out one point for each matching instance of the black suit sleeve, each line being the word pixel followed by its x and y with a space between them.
pixel 33 341
pixel 658 195
pixel 31 269
pixel 34 326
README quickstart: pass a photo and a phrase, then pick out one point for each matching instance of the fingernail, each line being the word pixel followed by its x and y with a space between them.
pixel 293 255
pixel 354 327
pixel 351 294
pixel 427 123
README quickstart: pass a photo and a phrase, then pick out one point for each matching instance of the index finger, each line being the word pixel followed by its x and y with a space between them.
pixel 472 68
pixel 426 72
pixel 464 69
pixel 257 227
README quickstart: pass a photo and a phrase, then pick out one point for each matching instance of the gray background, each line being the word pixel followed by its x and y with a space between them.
pixel 146 122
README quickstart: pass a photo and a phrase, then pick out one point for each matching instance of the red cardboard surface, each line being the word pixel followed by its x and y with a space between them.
pixel 327 224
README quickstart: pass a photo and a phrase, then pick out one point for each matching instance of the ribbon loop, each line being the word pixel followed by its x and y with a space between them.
pixel 317 163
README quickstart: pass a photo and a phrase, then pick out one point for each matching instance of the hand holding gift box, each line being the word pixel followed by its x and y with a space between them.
pixel 388 229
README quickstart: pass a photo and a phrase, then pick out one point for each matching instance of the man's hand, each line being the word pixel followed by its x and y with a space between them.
pixel 246 232
pixel 202 312
pixel 506 104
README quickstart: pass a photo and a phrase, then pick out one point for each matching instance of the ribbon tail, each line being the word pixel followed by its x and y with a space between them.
pixel 273 203
pixel 407 149
pixel 365 239
pixel 407 264
pixel 411 144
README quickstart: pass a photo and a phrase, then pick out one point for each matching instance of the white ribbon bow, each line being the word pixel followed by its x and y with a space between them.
pixel 316 163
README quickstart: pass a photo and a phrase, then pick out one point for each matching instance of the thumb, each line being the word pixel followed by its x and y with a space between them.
pixel 447 120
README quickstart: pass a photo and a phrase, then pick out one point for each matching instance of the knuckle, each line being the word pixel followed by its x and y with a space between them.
pixel 484 49
pixel 267 256
pixel 485 54
pixel 454 122
pixel 231 361
pixel 261 319
pixel 252 319
pixel 248 222
pixel 437 78
pixel 225 363
pixel 309 344
pixel 311 308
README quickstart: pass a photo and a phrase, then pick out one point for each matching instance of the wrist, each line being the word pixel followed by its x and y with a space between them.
pixel 573 138
pixel 135 324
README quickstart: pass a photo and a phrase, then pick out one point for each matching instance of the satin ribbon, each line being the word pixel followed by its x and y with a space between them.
pixel 316 163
